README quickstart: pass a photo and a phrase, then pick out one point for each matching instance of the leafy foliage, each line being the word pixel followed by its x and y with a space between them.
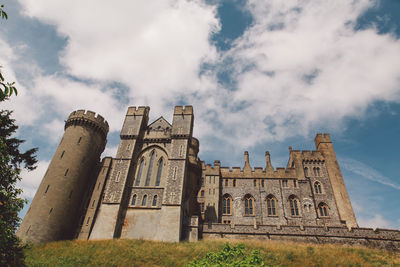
pixel 11 159
pixel 230 256
pixel 6 88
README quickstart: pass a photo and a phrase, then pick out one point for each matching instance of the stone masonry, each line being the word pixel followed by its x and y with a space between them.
pixel 157 188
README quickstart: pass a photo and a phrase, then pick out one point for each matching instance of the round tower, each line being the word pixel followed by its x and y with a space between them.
pixel 57 206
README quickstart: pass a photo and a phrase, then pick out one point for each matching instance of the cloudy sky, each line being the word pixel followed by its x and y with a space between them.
pixel 261 75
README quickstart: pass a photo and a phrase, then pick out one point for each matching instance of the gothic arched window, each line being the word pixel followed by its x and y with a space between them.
pixel 154 201
pixel 139 175
pixel 159 171
pixel 323 210
pixel 133 202
pixel 318 172
pixel 306 171
pixel 227 203
pixel 150 168
pixel 144 200
pixel 294 206
pixel 315 171
pixel 317 188
pixel 271 205
pixel 248 205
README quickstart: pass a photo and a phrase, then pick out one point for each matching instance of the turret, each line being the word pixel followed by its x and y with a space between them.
pixel 55 210
pixel 324 144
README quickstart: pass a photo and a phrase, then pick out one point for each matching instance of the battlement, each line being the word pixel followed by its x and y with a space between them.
pixel 322 138
pixel 183 110
pixel 89 118
pixel 138 111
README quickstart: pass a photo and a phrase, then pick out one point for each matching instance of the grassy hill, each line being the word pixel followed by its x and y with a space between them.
pixel 148 253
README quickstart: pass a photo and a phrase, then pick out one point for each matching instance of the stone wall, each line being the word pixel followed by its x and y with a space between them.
pixel 378 238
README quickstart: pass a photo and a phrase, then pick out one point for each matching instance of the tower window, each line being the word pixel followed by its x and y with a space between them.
pixel 234 182
pixel 150 168
pixel 248 205
pixel 317 188
pixel 62 154
pixel 139 175
pixel 226 182
pixel 271 205
pixel 254 182
pixel 47 188
pixel 88 220
pixel 144 200
pixel 294 183
pixel 155 201
pixel 94 201
pixel 98 186
pixel 66 172
pixel 306 172
pixel 117 178
pixel 227 201
pixel 202 193
pixel 133 202
pixel 174 175
pixel 262 183
pixel 159 171
pixel 70 195
pixel 51 210
pixel 323 210
pixel 79 140
pixel 294 206
pixel 284 183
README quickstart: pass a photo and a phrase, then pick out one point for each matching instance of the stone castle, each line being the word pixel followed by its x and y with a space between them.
pixel 157 188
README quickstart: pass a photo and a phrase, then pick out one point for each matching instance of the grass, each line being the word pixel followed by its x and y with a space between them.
pixel 122 252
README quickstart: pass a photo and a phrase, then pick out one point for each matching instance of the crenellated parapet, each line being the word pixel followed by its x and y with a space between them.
pixel 88 118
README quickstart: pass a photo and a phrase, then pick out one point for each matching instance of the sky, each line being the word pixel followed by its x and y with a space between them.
pixel 260 75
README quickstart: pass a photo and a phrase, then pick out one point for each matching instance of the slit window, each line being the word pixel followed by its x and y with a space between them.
pixel 133 202
pixel 234 182
pixel 70 195
pixel 62 154
pixel 155 201
pixel 144 200
pixel 47 189
pixel 66 172
pixel 117 178
pixel 79 140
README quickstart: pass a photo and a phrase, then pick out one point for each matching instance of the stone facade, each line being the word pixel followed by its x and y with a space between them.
pixel 157 188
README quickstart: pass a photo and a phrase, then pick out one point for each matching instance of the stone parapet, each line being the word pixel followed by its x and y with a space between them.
pixel 80 117
pixel 378 238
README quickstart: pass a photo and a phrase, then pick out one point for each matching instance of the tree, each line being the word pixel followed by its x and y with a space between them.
pixel 6 88
pixel 11 160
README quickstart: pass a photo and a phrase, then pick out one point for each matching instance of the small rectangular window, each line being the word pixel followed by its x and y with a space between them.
pixel 98 186
pixel 209 179
pixel 70 195
pixel 66 172
pixel 117 178
pixel 47 188
pixel 234 182
pixel 226 182
pixel 255 182
pixel 262 183
pixel 87 222
pixel 284 183
pixel 62 154
pixel 79 140
pixel 214 179
pixel 94 201
pixel 294 183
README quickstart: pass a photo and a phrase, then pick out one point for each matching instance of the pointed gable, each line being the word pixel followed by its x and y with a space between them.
pixel 160 124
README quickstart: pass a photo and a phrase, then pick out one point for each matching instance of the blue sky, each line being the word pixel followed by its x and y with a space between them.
pixel 261 75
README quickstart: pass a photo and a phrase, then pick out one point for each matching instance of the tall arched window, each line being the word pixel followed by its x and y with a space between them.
pixel 318 172
pixel 150 168
pixel 294 206
pixel 154 201
pixel 323 210
pixel 248 205
pixel 315 171
pixel 139 175
pixel 227 203
pixel 317 188
pixel 159 171
pixel 144 200
pixel 306 171
pixel 202 193
pixel 271 205
pixel 133 203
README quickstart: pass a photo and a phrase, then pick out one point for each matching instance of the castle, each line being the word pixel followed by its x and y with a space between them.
pixel 157 188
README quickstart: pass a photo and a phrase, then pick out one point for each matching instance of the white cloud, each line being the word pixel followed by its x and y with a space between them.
pixel 377 221
pixel 301 65
pixel 31 179
pixel 367 172
pixel 110 151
